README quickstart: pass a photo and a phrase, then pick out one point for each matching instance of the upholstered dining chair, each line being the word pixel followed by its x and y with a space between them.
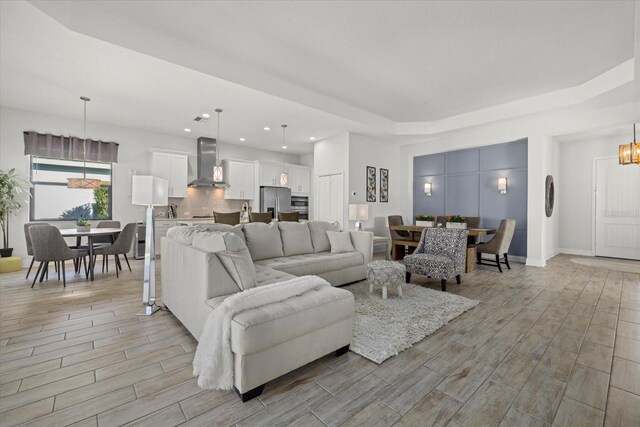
pixel 27 238
pixel 498 245
pixel 121 246
pixel 232 218
pixel 99 241
pixel 441 254
pixel 473 221
pixel 397 234
pixel 289 216
pixel 50 246
pixel 265 217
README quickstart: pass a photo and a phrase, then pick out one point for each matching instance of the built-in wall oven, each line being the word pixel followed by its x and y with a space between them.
pixel 300 204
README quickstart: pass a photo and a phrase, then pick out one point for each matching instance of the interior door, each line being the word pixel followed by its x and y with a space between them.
pixel 323 201
pixel 617 209
pixel 337 199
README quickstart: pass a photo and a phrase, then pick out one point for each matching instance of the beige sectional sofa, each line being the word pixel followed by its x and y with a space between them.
pixel 203 265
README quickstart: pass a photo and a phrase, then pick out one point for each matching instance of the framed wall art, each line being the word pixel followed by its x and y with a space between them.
pixel 371 184
pixel 384 185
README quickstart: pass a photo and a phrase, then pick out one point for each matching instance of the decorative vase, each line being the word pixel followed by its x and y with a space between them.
pixel 425 223
pixel 6 252
pixel 83 228
pixel 461 225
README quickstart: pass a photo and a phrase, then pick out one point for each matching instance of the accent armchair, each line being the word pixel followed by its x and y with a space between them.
pixel 441 254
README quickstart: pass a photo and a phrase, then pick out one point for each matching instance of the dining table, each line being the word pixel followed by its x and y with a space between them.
pixel 90 234
pixel 398 246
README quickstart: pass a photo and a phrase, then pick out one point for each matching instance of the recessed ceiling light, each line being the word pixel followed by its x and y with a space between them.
pixel 284 147
pixel 313 138
pixel 267 128
pixel 241 139
pixel 187 130
pixel 205 116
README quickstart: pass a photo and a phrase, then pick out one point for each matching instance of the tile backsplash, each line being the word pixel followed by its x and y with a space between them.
pixel 203 201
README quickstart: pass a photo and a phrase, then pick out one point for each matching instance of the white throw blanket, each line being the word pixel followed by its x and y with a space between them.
pixel 213 362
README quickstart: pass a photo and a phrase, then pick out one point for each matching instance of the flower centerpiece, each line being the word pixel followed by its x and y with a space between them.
pixel 14 192
pixel 83 225
pixel 425 220
pixel 456 221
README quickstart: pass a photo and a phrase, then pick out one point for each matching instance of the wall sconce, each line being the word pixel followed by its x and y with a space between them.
pixel 427 189
pixel 502 185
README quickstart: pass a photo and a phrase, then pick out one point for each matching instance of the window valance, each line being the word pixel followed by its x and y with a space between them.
pixel 69 147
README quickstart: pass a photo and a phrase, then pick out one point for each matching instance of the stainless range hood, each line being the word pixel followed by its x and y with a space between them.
pixel 206 162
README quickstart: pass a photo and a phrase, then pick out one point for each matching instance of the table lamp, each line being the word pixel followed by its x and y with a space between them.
pixel 358 212
pixel 149 191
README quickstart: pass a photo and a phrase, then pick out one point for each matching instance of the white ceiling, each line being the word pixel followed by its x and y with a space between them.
pixel 321 67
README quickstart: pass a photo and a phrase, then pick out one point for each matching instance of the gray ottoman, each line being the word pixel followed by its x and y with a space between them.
pixel 385 273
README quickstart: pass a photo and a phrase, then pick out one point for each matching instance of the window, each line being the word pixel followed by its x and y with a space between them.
pixel 52 200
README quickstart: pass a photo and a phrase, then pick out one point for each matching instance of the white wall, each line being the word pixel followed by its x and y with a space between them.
pixel 539 129
pixel 363 152
pixel 576 186
pixel 135 145
pixel 331 156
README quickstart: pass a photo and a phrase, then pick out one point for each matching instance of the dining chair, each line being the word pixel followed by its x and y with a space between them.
pixel 441 254
pixel 27 238
pixel 232 218
pixel 473 221
pixel 289 216
pixel 99 241
pixel 398 234
pixel 265 217
pixel 121 246
pixel 50 246
pixel 498 245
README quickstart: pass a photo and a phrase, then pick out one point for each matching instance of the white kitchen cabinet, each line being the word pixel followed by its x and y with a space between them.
pixel 299 179
pixel 174 168
pixel 161 228
pixel 269 174
pixel 239 178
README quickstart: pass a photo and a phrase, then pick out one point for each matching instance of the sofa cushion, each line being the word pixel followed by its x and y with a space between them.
pixel 340 242
pixel 263 240
pixel 296 238
pixel 183 234
pixel 216 241
pixel 308 264
pixel 318 231
pixel 266 276
pixel 239 268
pixel 237 229
pixel 264 327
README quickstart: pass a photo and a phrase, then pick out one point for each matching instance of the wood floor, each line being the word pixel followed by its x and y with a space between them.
pixel 552 346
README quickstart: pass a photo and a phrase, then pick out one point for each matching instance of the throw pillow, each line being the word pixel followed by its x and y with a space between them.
pixel 340 242
pixel 241 271
pixel 263 240
pixel 296 239
pixel 319 239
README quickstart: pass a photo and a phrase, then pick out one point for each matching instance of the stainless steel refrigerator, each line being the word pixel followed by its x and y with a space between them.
pixel 275 200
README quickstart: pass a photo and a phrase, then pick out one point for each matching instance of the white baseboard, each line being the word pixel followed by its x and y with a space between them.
pixel 532 262
pixel 519 259
pixel 581 252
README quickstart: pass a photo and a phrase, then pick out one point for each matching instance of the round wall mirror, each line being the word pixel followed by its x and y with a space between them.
pixel 548 195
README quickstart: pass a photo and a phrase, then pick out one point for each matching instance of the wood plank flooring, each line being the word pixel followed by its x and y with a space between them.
pixel 554 346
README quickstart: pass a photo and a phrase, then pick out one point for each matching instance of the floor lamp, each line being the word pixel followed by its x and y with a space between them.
pixel 149 191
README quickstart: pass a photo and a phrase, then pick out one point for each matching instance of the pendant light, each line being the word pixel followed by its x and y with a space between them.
pixel 629 153
pixel 84 182
pixel 284 177
pixel 218 175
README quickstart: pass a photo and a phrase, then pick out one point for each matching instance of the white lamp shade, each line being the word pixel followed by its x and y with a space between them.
pixel 358 212
pixel 502 185
pixel 149 191
pixel 427 188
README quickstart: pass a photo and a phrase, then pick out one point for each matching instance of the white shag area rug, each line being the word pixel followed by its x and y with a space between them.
pixel 626 266
pixel 384 328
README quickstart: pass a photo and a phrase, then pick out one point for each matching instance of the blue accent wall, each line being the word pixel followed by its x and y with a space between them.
pixel 465 182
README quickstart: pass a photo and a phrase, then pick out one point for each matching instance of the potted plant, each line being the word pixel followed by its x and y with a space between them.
pixel 83 225
pixel 456 221
pixel 425 220
pixel 14 191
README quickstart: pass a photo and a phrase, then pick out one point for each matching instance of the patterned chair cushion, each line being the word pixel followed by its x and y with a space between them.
pixel 436 266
